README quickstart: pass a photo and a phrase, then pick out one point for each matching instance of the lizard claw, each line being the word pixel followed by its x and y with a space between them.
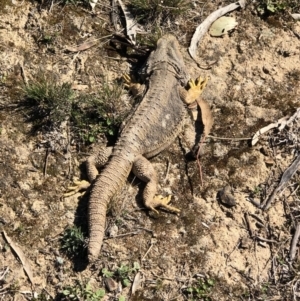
pixel 127 80
pixel 195 89
pixel 79 185
pixel 135 88
pixel 163 202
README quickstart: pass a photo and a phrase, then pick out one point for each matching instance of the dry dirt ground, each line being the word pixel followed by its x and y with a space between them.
pixel 208 251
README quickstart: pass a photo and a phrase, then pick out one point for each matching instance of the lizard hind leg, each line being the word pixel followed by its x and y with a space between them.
pixel 96 160
pixel 144 170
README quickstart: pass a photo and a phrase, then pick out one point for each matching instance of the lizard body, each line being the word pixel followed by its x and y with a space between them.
pixel 157 121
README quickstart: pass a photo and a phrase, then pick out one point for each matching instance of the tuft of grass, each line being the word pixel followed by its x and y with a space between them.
pixel 98 113
pixel 73 242
pixel 82 291
pixel 146 11
pixel 48 102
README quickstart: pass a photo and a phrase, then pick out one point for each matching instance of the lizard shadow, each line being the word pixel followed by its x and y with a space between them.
pixel 79 258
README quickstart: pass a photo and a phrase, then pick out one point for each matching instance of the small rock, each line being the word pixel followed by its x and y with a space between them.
pixel 226 198
pixel 245 243
pixel 38 206
pixel 110 284
pixel 113 231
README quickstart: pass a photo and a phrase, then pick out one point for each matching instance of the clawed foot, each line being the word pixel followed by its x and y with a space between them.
pixel 134 88
pixel 196 88
pixel 160 201
pixel 79 185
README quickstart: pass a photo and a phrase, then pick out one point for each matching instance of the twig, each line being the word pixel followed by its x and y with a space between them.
pixel 4 273
pixel 151 245
pixel 223 138
pixel 251 232
pixel 294 243
pixel 122 235
pixel 147 230
pixel 287 175
pixel 281 124
pixel 23 74
pixel 266 240
pixel 236 246
pixel 46 162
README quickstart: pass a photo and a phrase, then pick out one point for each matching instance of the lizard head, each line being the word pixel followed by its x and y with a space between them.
pixel 168 50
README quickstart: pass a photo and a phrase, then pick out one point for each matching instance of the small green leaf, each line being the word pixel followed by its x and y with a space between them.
pixel 136 266
pixel 91 139
pixel 66 292
pixel 126 282
pixel 121 298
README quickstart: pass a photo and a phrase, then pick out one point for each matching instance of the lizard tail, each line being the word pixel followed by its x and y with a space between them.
pixel 108 183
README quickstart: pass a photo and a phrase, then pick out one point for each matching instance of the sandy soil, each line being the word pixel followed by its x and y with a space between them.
pixel 242 249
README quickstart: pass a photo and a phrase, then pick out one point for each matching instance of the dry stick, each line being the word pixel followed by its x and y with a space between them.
pixel 122 235
pixel 23 74
pixel 46 162
pixel 232 139
pixel 294 243
pixel 251 231
pixel 287 175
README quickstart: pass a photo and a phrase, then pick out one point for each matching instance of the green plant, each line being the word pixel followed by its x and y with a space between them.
pixel 82 292
pixel 48 102
pixel 122 273
pixel 201 291
pixel 257 190
pixel 106 273
pixel 275 6
pixel 72 241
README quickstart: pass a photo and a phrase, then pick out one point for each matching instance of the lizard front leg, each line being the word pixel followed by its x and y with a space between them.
pixel 191 97
pixel 95 161
pixel 144 170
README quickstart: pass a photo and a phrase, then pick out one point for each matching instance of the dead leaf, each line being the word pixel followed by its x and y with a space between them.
pixel 93 4
pixel 222 26
pixel 136 283
pixel 131 24
pixel 84 46
pixel 20 254
pixel 296 17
